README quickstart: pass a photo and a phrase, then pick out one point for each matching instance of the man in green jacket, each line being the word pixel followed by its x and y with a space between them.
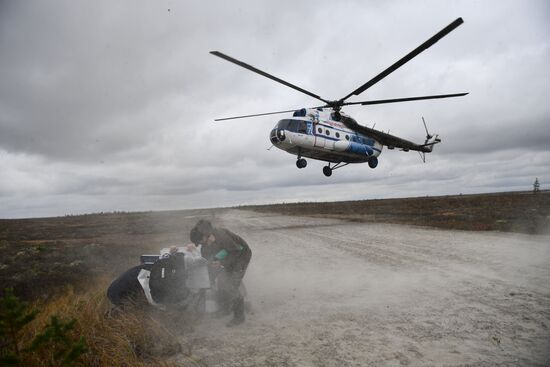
pixel 229 255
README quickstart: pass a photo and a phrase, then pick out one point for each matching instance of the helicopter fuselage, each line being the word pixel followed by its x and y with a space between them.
pixel 315 134
pixel 325 133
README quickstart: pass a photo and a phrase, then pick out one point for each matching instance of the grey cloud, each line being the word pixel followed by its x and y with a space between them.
pixel 110 106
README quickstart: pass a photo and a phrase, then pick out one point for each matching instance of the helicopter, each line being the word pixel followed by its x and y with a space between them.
pixel 328 134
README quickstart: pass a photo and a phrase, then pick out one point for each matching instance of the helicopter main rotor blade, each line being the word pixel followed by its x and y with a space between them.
pixel 442 33
pixel 363 103
pixel 407 99
pixel 257 114
pixel 263 73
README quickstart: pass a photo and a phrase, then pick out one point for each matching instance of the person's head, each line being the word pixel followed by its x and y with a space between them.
pixel 195 236
pixel 202 232
pixel 205 227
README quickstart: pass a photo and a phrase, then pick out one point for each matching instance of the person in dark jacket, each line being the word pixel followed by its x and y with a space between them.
pixel 126 287
pixel 229 256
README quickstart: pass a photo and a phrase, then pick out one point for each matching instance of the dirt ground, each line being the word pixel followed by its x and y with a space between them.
pixel 326 292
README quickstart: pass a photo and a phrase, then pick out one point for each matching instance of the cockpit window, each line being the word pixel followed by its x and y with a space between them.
pixel 302 127
pixel 293 125
pixel 297 126
pixel 283 124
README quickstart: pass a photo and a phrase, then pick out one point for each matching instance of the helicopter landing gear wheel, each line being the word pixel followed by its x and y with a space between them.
pixel 301 163
pixel 327 171
pixel 373 162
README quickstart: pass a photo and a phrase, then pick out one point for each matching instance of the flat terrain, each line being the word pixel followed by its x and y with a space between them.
pixel 520 211
pixel 326 292
pixel 40 255
pixel 378 282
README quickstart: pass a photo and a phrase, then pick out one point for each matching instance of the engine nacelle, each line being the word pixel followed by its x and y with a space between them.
pixel 353 147
pixel 361 149
pixel 341 145
pixel 300 113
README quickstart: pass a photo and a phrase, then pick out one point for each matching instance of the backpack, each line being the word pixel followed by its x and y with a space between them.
pixel 167 279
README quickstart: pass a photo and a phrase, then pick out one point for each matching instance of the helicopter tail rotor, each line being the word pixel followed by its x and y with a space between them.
pixel 430 141
pixel 428 136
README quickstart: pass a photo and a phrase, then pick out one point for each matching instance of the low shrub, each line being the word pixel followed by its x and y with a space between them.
pixel 84 330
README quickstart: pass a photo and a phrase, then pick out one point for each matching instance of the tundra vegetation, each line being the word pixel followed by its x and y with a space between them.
pixel 54 271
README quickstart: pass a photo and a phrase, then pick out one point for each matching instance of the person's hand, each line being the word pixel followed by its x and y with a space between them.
pixel 216 264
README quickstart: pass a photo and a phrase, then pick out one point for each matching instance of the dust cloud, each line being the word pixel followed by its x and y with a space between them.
pixel 332 293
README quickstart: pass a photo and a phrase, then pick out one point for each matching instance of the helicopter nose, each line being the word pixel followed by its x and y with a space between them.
pixel 276 136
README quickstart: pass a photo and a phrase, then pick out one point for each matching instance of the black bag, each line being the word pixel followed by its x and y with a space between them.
pixel 167 279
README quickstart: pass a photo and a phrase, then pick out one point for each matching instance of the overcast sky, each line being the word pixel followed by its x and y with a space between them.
pixel 109 106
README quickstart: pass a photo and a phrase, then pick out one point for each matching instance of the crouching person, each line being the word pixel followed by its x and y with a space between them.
pixel 229 256
pixel 126 288
pixel 175 281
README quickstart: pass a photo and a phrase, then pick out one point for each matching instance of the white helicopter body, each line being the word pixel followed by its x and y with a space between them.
pixel 325 133
pixel 317 136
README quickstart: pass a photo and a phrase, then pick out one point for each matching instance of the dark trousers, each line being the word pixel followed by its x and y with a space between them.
pixel 229 282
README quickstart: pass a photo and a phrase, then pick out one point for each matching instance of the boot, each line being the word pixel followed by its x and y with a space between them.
pixel 238 313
